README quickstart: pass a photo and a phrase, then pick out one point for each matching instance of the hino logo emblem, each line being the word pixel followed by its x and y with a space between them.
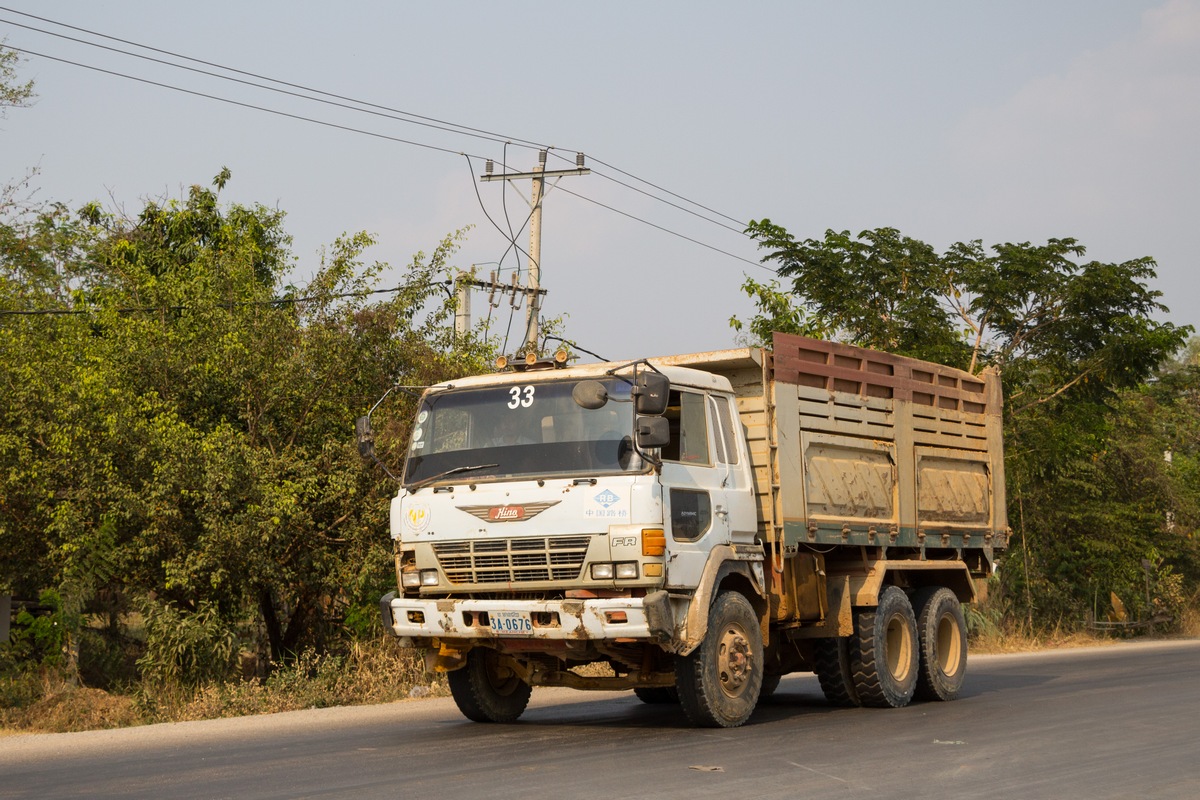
pixel 507 513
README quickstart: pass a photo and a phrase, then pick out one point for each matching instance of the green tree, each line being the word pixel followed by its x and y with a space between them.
pixel 1072 338
pixel 12 93
pixel 181 440
pixel 880 289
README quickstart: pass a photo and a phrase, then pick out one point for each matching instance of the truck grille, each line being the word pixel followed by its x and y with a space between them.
pixel 540 558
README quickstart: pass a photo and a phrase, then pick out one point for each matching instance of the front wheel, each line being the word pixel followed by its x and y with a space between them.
pixel 719 682
pixel 487 691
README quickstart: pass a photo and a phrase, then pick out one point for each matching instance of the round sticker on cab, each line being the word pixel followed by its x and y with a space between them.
pixel 417 516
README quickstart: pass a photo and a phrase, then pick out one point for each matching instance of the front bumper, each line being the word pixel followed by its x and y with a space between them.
pixel 648 617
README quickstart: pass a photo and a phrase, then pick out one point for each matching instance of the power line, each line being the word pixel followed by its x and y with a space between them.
pixel 417 119
pixel 238 102
pixel 273 302
pixel 742 225
pixel 668 230
pixel 397 139
pixel 467 130
pixel 347 106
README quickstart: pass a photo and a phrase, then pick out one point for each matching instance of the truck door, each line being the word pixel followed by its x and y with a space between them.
pixel 695 487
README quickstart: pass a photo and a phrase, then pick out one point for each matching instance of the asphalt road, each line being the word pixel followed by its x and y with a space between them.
pixel 1118 721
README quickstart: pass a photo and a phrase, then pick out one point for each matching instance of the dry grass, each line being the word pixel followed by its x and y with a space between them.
pixel 76 709
pixel 1024 641
pixel 373 672
pixel 1008 637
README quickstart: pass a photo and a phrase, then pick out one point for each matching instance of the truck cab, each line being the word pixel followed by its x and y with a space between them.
pixel 539 517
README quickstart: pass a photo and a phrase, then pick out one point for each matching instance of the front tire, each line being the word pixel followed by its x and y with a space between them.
pixel 943 644
pixel 487 691
pixel 719 682
pixel 883 651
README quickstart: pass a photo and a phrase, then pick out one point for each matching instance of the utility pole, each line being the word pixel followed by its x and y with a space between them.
pixel 462 306
pixel 538 177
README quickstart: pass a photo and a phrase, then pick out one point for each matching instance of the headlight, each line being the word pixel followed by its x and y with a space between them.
pixel 429 577
pixel 410 580
pixel 606 571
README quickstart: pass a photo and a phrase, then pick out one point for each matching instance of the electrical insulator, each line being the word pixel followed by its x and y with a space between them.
pixel 542 157
pixel 579 160
pixel 488 166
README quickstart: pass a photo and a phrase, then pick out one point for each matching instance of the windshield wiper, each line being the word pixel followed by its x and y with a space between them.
pixel 449 472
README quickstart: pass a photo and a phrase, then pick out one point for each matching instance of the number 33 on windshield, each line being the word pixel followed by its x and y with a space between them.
pixel 520 397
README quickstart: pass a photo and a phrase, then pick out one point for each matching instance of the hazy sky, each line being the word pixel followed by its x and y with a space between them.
pixel 1012 121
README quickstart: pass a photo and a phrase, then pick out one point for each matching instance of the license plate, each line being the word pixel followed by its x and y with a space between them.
pixel 509 623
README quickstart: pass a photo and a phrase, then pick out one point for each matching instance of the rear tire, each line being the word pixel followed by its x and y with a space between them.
pixel 719 681
pixel 831 662
pixel 769 684
pixel 487 691
pixel 943 644
pixel 884 652
pixel 657 695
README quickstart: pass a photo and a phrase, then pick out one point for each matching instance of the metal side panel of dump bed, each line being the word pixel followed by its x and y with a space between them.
pixel 859 447
pixel 883 450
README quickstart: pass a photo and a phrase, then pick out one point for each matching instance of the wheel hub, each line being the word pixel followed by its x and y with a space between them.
pixel 734 661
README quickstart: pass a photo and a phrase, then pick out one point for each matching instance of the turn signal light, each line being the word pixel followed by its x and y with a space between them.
pixel 654 542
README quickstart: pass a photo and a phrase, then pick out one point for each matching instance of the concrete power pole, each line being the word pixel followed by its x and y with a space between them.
pixel 462 306
pixel 538 177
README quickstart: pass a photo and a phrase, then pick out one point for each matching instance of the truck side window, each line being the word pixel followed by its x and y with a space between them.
pixel 719 440
pixel 727 450
pixel 691 514
pixel 689 428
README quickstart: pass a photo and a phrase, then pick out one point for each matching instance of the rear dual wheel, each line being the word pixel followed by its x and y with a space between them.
pixel 943 644
pixel 884 652
pixel 657 695
pixel 831 662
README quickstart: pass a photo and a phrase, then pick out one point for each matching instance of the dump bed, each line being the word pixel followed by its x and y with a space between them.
pixel 858 447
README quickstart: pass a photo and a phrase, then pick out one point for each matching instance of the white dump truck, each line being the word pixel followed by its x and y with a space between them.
pixel 694 527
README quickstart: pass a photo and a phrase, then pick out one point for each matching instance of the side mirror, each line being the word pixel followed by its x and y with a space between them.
pixel 652 392
pixel 653 432
pixel 590 395
pixel 366 438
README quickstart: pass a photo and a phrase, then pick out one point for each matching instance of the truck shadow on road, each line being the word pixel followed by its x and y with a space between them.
pixel 788 703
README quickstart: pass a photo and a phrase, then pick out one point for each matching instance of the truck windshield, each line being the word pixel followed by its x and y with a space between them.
pixel 518 430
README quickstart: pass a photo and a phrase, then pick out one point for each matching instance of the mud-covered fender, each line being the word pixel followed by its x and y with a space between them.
pixel 738 568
